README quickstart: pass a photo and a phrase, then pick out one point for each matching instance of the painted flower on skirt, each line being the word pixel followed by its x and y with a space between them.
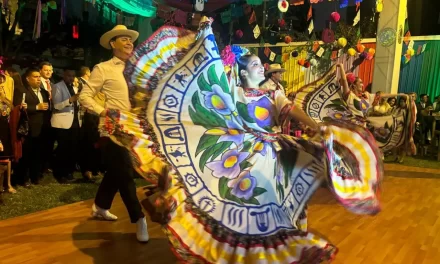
pixel 229 165
pixel 381 133
pixel 361 105
pixel 261 111
pixel 227 134
pixel 244 185
pixel 262 147
pixel 339 115
pixel 219 101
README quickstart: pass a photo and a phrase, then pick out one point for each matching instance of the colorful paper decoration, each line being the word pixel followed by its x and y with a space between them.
pixel 200 5
pixel 272 56
pixel 256 31
pixel 226 16
pixel 411 44
pixel 310 13
pixel 363 55
pixel 328 36
pixel 281 22
pixel 237 11
pixel 357 18
pixel 254 2
pixel 320 52
pixel 144 8
pixel 253 18
pixel 335 17
pixel 315 46
pixel 342 42
pixel 379 6
pixel 407 37
pixel 296 2
pixel 37 25
pixel 351 52
pixel 239 33
pixel 283 6
pixel 311 27
pixel 266 51
pixel 343 4
pixel 304 54
pixel 360 48
pixel 63 12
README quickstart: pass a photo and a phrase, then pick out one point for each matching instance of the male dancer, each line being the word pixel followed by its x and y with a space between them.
pixel 273 78
pixel 107 77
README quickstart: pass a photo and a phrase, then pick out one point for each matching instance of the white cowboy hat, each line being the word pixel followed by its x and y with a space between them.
pixel 118 30
pixel 274 68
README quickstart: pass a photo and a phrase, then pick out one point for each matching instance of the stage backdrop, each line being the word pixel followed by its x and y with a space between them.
pixel 422 73
pixel 297 76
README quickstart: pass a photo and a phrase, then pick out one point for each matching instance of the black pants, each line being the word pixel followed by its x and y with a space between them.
pixel 48 143
pixel 30 164
pixel 119 177
pixel 66 154
pixel 90 159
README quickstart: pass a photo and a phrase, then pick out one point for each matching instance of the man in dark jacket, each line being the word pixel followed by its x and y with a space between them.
pixel 38 111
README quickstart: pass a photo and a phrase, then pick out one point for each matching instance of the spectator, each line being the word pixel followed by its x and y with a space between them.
pixel 37 100
pixel 66 122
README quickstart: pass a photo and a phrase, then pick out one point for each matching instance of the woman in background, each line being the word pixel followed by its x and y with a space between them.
pixel 5 133
pixel 18 86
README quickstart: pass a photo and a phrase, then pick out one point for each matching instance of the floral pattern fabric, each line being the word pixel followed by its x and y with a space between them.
pixel 324 102
pixel 235 194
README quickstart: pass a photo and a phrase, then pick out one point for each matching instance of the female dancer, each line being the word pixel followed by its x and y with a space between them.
pixel 238 187
pixel 358 100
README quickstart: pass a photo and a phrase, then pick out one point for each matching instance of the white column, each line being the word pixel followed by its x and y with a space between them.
pixel 388 59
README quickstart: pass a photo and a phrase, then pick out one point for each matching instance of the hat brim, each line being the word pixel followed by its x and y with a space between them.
pixel 104 41
pixel 274 70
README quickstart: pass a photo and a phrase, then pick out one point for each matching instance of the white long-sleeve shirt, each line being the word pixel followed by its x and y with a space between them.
pixel 108 78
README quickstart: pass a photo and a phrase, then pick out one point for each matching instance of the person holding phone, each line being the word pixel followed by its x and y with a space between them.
pixel 38 110
pixel 66 122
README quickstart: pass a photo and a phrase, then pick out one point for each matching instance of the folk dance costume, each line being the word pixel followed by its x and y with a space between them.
pixel 325 101
pixel 234 194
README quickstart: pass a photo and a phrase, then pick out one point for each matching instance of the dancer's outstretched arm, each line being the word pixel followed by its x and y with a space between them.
pixel 385 95
pixel 299 115
pixel 343 80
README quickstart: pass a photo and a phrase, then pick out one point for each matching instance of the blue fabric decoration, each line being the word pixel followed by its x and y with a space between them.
pixel 343 4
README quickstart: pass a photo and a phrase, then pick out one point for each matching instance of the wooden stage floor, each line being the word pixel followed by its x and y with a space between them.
pixel 406 231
